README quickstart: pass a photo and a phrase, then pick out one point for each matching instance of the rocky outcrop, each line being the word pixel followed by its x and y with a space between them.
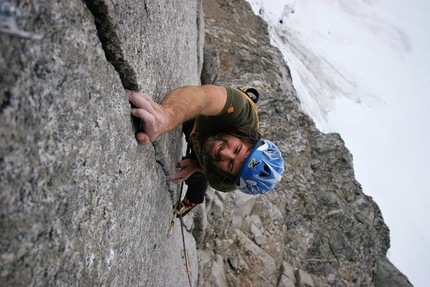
pixel 317 228
pixel 82 204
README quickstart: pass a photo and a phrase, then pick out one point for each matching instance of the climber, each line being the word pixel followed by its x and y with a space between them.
pixel 221 123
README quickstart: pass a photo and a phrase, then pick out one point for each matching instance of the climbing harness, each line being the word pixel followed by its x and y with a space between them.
pixel 184 252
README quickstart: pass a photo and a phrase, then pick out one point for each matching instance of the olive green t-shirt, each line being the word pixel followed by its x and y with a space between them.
pixel 239 112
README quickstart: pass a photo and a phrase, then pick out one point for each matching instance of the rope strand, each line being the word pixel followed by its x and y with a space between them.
pixel 187 269
pixel 184 252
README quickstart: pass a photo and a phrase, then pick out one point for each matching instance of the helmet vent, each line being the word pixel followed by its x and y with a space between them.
pixel 266 169
pixel 262 170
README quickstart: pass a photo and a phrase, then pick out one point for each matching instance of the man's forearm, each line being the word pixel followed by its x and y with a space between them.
pixel 178 106
pixel 187 102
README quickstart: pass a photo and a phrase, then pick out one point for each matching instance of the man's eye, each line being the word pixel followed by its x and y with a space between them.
pixel 238 149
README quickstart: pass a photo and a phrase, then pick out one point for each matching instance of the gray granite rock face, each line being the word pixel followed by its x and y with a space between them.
pixel 81 203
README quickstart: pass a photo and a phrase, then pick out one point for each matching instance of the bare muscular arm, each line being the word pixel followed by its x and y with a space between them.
pixel 177 107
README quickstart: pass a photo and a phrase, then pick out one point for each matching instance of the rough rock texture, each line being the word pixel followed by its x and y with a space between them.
pixel 83 205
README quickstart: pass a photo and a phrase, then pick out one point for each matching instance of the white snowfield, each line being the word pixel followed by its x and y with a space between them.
pixel 362 69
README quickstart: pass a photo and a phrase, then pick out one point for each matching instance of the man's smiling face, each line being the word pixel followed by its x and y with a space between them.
pixel 227 152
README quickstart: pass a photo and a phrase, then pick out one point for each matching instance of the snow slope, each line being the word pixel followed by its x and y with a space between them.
pixel 361 69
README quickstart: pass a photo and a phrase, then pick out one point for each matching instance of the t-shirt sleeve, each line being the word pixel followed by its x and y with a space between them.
pixel 239 112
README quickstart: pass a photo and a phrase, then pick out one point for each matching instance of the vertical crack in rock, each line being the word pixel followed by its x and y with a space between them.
pixel 114 54
pixel 113 49
pixel 111 43
pixel 160 160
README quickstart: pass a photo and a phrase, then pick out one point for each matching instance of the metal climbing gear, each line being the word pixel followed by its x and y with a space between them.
pixel 183 207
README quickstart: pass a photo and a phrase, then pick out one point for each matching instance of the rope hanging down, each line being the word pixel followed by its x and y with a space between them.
pixel 184 252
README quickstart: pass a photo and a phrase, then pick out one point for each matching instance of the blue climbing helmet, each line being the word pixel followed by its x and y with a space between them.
pixel 261 170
